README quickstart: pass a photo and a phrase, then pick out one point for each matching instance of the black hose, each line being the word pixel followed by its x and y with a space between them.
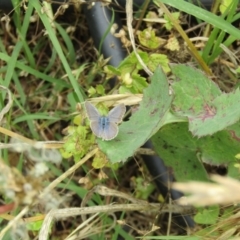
pixel 162 178
pixel 99 20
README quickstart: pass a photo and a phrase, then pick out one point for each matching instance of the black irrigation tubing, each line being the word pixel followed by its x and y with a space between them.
pixel 98 18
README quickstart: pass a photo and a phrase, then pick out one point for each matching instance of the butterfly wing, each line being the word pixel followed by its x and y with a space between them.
pixel 110 132
pixel 95 119
pixel 106 131
pixel 117 113
pixel 97 129
pixel 92 112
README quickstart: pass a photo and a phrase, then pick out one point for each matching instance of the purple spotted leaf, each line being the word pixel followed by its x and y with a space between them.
pixel 197 97
pixel 224 111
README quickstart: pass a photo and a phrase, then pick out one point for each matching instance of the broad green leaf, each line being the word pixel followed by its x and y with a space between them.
pixel 218 149
pixel 175 144
pixel 193 91
pixel 221 113
pixel 198 98
pixel 234 167
pixel 185 153
pixel 143 124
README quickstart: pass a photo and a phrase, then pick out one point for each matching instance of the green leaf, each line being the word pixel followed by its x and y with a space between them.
pixel 156 60
pixel 142 189
pixel 91 91
pixel 225 5
pixel 222 112
pixel 99 160
pixel 111 71
pixel 134 83
pixel 100 89
pixel 34 226
pixel 124 89
pixel 42 115
pixel 148 39
pixel 76 143
pixel 175 144
pixel 127 79
pixel 192 90
pixel 143 124
pixel 218 149
pixel 198 98
pixel 131 63
pixel 207 215
pixel 139 83
pixel 169 25
pixel 184 153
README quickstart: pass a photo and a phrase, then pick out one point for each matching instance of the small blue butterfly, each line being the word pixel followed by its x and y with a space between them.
pixel 105 127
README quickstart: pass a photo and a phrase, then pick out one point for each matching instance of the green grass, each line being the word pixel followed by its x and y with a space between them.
pixel 40 66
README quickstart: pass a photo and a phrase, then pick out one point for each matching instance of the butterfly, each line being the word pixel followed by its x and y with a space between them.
pixel 105 127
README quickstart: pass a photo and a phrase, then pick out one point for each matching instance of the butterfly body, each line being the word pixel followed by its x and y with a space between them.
pixel 105 127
